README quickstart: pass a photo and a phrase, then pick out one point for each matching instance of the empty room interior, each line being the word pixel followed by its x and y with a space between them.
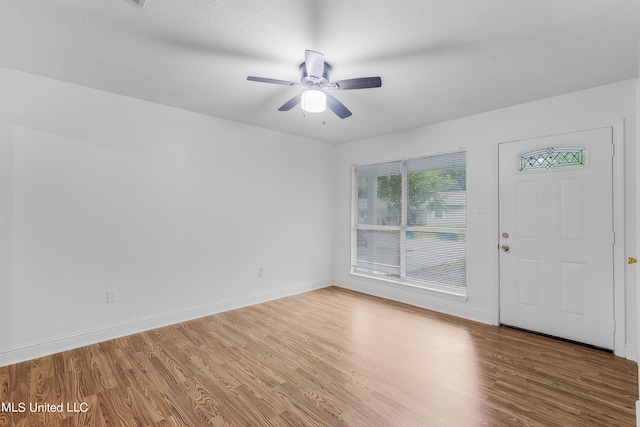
pixel 415 213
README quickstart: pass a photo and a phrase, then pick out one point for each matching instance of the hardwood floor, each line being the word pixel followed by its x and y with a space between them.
pixel 325 358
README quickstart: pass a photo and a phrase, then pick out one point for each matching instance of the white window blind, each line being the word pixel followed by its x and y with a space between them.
pixel 410 220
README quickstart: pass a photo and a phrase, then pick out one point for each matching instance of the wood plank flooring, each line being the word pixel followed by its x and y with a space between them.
pixel 325 358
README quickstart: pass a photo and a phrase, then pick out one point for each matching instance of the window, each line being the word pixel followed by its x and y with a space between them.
pixel 550 158
pixel 410 221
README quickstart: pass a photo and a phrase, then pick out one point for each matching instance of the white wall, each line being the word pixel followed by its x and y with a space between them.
pixel 178 210
pixel 6 191
pixel 175 210
pixel 480 134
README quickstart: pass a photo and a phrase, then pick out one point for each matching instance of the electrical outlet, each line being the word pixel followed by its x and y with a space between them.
pixel 112 295
pixel 261 272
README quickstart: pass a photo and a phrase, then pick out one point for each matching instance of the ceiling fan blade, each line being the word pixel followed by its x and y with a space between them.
pixel 359 83
pixel 273 81
pixel 291 103
pixel 337 107
pixel 314 62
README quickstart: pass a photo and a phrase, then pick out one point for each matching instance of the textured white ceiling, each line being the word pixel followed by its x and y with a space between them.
pixel 438 59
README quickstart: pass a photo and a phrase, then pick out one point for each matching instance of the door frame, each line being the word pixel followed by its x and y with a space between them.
pixel 619 260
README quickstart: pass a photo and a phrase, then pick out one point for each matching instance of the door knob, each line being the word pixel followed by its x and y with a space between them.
pixel 505 248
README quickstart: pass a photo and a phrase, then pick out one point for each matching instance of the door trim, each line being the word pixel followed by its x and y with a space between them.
pixel 619 260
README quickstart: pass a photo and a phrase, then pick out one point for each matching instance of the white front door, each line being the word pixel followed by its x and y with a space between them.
pixel 556 242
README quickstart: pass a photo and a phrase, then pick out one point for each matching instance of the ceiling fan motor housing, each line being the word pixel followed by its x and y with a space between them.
pixel 315 77
pixel 315 82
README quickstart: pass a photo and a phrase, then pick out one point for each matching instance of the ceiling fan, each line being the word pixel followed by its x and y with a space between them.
pixel 315 78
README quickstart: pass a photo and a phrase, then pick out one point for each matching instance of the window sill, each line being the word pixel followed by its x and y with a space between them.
pixel 435 290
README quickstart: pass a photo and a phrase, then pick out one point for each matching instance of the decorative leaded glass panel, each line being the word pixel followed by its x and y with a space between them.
pixel 552 157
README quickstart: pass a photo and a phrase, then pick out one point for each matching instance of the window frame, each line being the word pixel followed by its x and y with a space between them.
pixel 453 291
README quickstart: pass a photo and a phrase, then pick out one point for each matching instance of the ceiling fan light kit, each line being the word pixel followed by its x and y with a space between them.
pixel 315 77
pixel 313 101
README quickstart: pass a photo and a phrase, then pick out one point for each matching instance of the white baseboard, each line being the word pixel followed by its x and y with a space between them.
pixel 32 350
pixel 638 412
pixel 419 299
pixel 631 353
